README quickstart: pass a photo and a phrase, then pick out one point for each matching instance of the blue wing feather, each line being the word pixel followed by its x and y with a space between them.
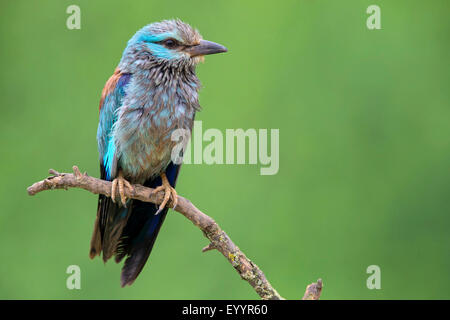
pixel 111 217
pixel 113 94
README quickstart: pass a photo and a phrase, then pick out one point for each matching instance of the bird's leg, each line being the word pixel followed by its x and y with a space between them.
pixel 168 192
pixel 121 183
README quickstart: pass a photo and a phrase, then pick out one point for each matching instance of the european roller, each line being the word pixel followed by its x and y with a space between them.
pixel 152 93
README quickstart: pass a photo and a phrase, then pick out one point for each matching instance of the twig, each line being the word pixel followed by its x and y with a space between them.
pixel 313 291
pixel 219 240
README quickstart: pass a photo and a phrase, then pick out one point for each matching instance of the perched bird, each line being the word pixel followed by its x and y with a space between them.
pixel 153 91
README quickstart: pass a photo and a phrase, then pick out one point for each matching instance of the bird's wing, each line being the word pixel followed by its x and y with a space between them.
pixel 110 216
pixel 112 98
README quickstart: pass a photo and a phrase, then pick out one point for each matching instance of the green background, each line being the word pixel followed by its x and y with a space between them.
pixel 364 148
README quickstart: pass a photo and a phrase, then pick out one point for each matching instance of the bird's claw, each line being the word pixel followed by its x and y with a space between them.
pixel 122 184
pixel 169 192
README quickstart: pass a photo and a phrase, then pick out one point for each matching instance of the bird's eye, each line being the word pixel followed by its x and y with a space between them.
pixel 170 43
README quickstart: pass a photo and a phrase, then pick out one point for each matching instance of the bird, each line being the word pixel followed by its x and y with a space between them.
pixel 152 93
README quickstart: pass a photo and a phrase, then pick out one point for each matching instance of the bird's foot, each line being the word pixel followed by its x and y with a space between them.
pixel 121 183
pixel 169 192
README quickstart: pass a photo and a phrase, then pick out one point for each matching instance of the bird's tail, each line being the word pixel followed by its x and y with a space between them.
pixel 138 239
pixel 141 230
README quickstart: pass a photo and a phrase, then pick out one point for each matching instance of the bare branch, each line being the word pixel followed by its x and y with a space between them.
pixel 313 291
pixel 209 247
pixel 219 240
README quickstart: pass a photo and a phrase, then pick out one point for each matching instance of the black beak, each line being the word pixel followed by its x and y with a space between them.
pixel 205 47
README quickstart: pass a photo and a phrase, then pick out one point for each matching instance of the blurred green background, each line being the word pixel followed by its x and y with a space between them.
pixel 364 125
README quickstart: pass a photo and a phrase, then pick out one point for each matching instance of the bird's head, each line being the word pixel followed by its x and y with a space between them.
pixel 169 42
